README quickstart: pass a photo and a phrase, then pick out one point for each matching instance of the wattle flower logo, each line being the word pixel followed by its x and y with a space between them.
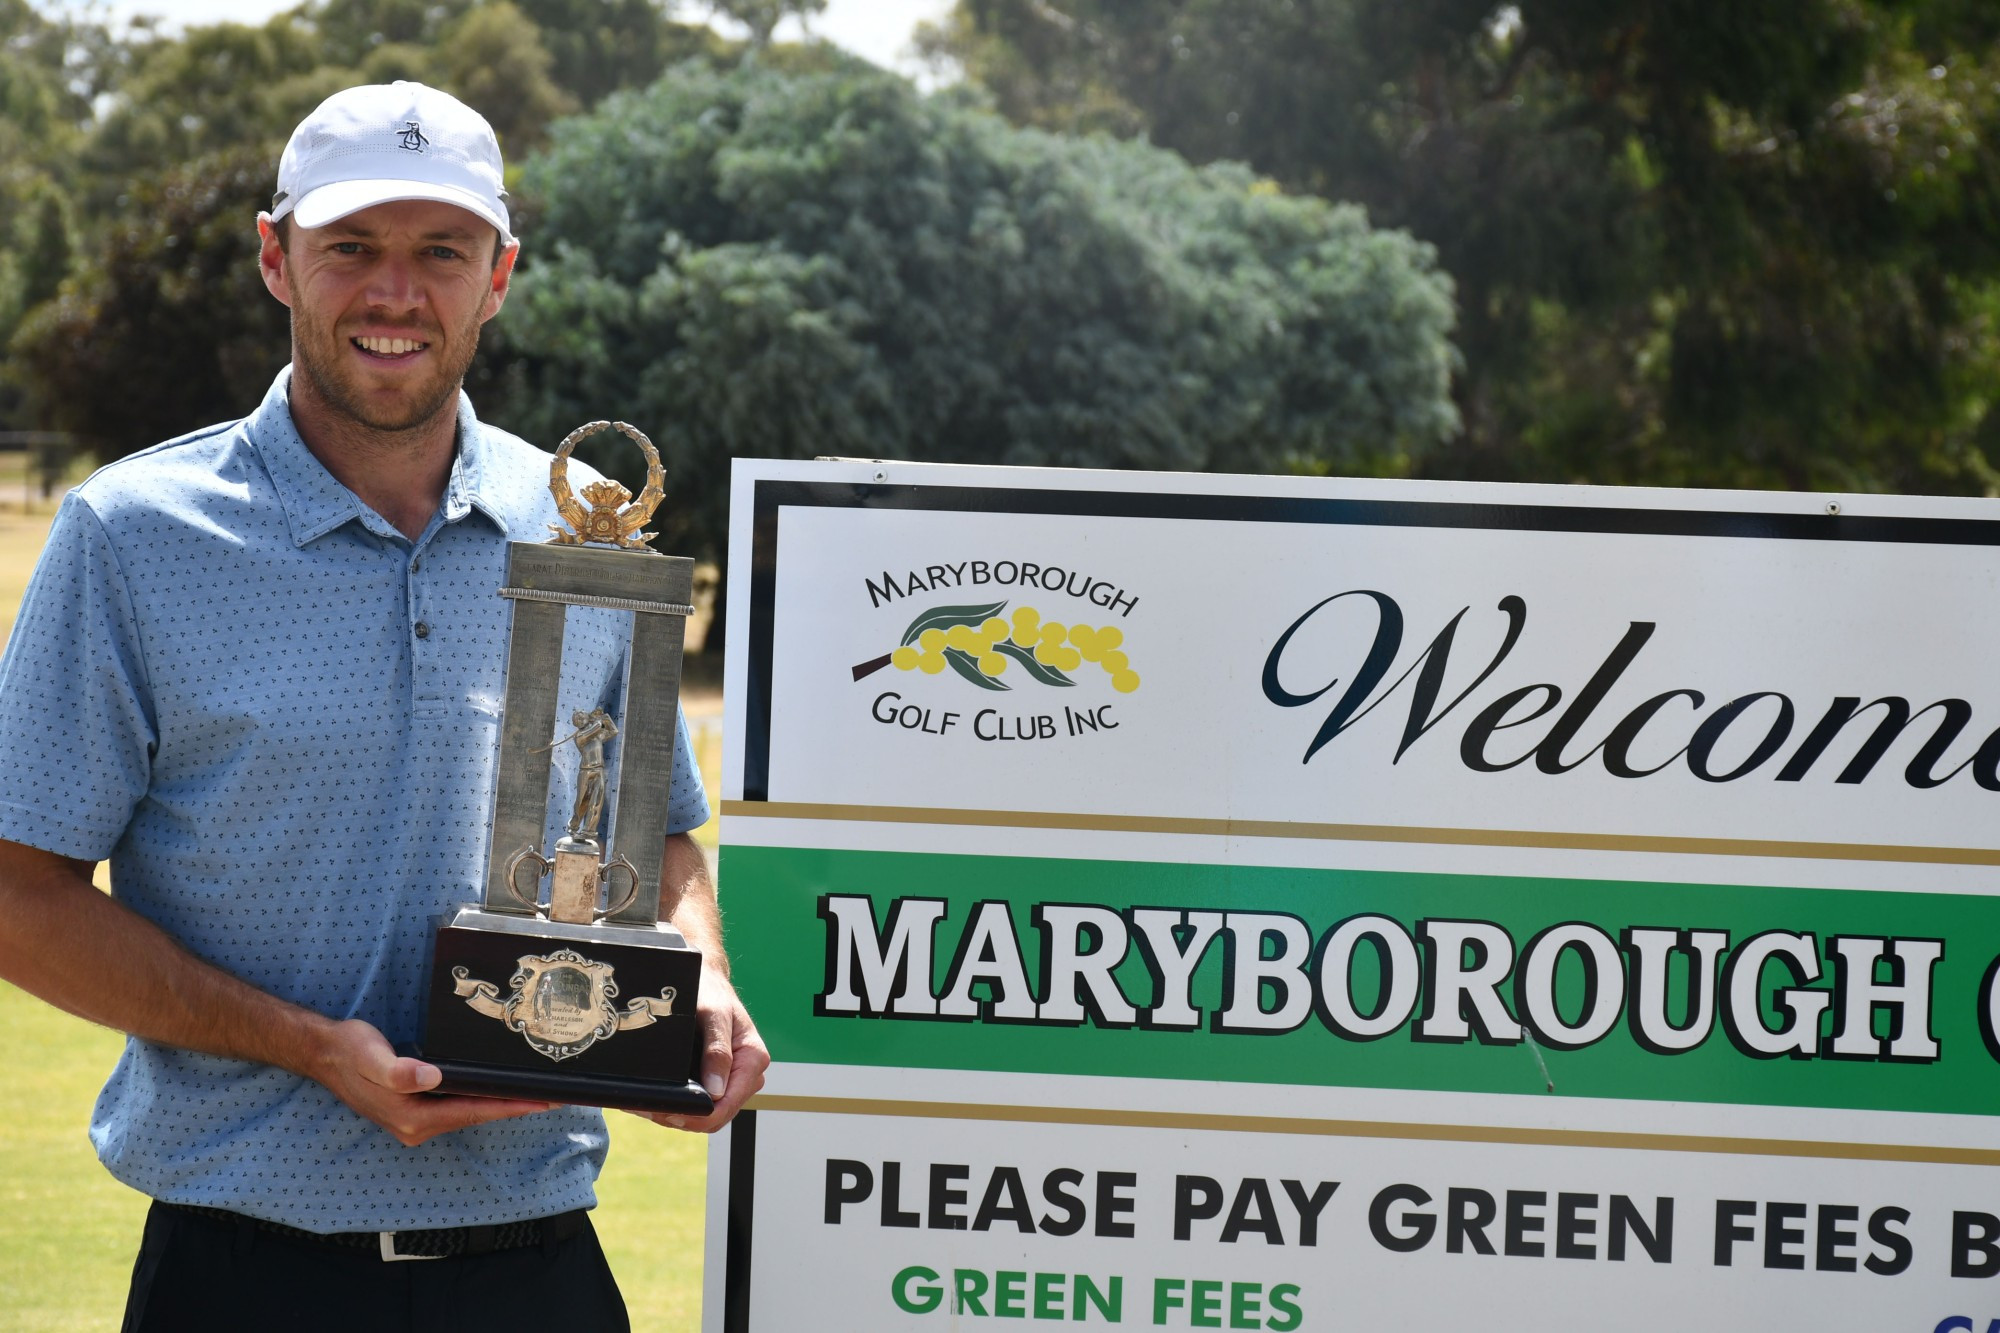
pixel 981 646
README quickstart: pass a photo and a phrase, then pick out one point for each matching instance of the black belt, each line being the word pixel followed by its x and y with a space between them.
pixel 441 1243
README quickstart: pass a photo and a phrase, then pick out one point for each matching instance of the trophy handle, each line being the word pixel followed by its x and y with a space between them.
pixel 542 867
pixel 631 886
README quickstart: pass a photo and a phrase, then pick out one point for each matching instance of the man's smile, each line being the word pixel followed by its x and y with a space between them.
pixel 389 349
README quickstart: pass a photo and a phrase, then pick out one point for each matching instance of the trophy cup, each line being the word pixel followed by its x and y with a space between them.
pixel 582 996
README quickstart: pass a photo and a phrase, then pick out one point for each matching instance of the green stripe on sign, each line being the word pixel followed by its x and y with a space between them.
pixel 1735 994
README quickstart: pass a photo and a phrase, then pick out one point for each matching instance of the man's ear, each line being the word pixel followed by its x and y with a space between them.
pixel 503 273
pixel 271 260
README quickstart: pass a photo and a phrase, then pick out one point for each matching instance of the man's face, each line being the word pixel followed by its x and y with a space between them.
pixel 386 307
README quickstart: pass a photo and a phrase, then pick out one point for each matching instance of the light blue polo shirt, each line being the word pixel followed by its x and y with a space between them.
pixel 277 717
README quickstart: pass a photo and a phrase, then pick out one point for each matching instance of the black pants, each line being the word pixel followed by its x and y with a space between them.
pixel 207 1275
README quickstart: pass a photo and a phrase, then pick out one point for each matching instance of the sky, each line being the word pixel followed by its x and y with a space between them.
pixel 877 30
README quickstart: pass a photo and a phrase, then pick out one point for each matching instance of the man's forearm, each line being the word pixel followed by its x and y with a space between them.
pixel 64 941
pixel 684 879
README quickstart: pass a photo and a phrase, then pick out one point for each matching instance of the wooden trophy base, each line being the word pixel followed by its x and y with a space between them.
pixel 586 1015
pixel 468 1079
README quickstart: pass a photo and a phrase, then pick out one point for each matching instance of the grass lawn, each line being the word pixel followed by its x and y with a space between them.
pixel 68 1231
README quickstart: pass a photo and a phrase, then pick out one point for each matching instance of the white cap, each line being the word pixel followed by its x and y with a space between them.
pixel 383 142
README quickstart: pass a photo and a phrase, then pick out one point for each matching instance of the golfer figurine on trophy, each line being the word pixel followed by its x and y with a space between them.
pixel 584 996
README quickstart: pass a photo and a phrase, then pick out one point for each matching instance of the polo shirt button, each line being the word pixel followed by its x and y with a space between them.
pixel 423 629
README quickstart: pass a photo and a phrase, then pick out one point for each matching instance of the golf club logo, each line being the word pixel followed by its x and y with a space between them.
pixel 986 648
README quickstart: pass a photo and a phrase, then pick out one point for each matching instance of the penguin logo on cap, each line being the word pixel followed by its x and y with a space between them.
pixel 413 137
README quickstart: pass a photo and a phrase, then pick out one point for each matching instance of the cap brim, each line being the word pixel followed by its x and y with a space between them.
pixel 330 203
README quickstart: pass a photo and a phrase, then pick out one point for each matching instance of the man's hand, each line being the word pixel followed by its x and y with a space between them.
pixel 733 1058
pixel 358 1065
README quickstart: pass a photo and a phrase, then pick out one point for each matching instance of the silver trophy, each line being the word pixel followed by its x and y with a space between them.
pixel 526 985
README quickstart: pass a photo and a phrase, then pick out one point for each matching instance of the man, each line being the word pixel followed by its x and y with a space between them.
pixel 259 670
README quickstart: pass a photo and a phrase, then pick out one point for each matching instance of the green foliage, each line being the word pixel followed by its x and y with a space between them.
pixel 762 16
pixel 349 31
pixel 593 47
pixel 97 130
pixel 1741 244
pixel 1745 244
pixel 493 57
pixel 171 328
pixel 49 72
pixel 599 46
pixel 216 88
pixel 227 85
pixel 780 265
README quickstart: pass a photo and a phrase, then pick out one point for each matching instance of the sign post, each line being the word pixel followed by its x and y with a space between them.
pixel 1223 902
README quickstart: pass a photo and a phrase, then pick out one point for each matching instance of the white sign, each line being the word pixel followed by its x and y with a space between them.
pixel 1220 902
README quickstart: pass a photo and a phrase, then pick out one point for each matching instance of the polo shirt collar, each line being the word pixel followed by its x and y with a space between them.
pixel 314 500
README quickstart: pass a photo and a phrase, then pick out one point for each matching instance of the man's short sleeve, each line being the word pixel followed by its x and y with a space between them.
pixel 76 722
pixel 687 805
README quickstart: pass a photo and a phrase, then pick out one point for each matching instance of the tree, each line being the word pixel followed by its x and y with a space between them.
pixel 350 30
pixel 593 47
pixel 762 17
pixel 98 134
pixel 493 57
pixel 755 262
pixel 50 72
pixel 600 46
pixel 522 62
pixel 1741 244
pixel 215 88
pixel 169 326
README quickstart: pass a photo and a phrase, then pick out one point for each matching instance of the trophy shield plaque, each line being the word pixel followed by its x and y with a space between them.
pixel 563 984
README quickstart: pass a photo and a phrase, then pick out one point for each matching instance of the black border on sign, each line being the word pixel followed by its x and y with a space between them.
pixel 742 1202
pixel 769 496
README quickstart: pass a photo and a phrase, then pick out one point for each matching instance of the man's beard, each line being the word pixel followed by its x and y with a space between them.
pixel 344 399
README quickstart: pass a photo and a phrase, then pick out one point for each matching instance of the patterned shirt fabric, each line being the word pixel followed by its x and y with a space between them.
pixel 278 718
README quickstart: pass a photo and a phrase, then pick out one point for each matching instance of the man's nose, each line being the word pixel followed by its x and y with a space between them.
pixel 392 284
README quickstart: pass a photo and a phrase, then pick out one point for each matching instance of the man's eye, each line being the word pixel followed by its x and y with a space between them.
pixel 347 247
pixel 444 252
